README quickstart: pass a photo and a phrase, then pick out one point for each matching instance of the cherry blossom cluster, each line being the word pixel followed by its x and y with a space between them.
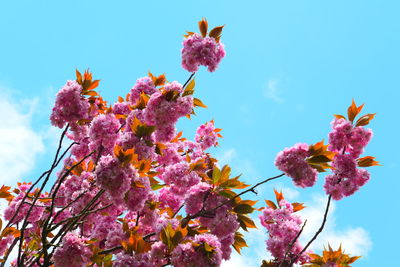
pixel 70 105
pixel 134 192
pixel 207 135
pixel 205 51
pixel 283 227
pixel 292 161
pixel 348 142
pixel 127 178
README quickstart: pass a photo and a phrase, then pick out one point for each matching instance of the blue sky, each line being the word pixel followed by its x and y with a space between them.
pixel 290 65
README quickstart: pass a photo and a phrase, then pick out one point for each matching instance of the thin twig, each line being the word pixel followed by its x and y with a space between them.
pixel 176 212
pixel 53 166
pixel 205 212
pixel 292 243
pixel 110 250
pixel 188 80
pixel 316 234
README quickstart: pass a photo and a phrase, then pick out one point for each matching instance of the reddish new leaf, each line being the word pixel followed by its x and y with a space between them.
pixel 216 32
pixel 367 161
pixel 279 196
pixel 203 26
pixel 364 120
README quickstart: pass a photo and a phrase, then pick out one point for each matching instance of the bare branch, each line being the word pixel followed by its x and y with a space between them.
pixel 316 234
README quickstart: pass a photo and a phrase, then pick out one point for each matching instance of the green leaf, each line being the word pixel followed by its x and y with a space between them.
pixel 216 175
pixel 319 159
pixel 243 209
pixel 225 173
pixel 227 193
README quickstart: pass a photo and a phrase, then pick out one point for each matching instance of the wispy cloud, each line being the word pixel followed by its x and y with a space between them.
pixel 355 241
pixel 272 91
pixel 19 143
pixel 226 157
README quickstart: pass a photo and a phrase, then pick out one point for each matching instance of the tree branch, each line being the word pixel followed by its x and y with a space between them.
pixel 188 80
pixel 316 234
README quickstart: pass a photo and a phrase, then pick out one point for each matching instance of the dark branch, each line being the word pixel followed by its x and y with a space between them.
pixel 316 234
pixel 188 80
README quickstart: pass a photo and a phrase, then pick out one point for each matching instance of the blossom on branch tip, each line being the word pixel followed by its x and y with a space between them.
pixel 70 105
pixel 292 161
pixel 205 51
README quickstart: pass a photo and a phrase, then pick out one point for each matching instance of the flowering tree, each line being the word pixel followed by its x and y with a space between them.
pixel 134 192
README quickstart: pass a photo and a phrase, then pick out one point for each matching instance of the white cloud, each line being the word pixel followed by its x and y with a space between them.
pixel 226 157
pixel 355 241
pixel 271 90
pixel 19 143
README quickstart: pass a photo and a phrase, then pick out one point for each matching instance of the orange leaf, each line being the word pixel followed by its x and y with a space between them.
pixel 271 204
pixel 203 26
pixel 249 202
pixel 4 192
pixel 91 93
pixel 353 110
pixel 297 206
pixel 94 84
pixel 245 222
pixel 367 161
pixel 78 76
pixel 160 80
pixel 339 116
pixel 197 103
pixel 239 242
pixel 279 196
pixel 216 32
pixel 364 120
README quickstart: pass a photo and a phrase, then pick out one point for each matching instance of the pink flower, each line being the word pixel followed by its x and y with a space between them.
pixel 112 177
pixel 194 254
pixel 346 178
pixel 72 253
pixel 170 199
pixel 138 193
pixel 195 197
pixel 4 243
pixel 103 131
pixel 292 162
pixel 144 85
pixel 198 51
pixel 174 86
pixel 35 214
pixel 206 136
pixel 164 114
pixel 283 226
pixel 137 260
pixel 158 252
pixel 344 138
pixel 70 106
pixel 180 175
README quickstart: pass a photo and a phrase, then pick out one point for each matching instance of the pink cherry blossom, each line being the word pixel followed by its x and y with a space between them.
pixel 292 161
pixel 198 51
